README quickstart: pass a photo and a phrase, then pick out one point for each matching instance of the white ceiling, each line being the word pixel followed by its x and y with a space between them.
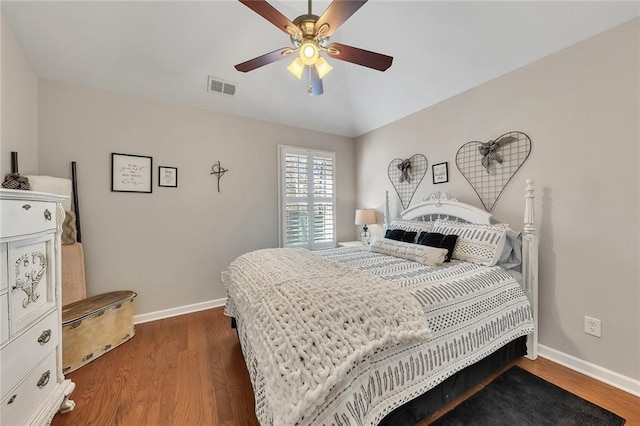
pixel 166 50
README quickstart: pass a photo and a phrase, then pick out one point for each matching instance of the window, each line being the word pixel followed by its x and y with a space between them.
pixel 307 198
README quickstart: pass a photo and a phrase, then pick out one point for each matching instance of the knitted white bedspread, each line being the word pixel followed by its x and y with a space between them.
pixel 310 320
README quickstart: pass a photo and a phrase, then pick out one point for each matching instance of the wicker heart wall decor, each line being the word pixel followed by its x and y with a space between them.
pixel 489 166
pixel 406 175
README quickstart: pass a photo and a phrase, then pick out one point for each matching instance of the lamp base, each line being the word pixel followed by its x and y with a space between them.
pixel 365 235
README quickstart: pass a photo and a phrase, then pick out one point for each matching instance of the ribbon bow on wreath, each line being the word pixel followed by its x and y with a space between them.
pixel 489 151
pixel 405 169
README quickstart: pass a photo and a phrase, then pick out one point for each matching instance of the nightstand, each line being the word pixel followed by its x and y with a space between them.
pixel 350 244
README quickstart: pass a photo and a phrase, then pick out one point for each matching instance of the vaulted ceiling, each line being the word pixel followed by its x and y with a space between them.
pixel 166 50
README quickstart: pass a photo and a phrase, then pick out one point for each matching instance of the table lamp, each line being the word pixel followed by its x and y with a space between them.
pixel 365 217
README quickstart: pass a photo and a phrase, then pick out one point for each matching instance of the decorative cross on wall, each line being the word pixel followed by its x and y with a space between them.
pixel 219 171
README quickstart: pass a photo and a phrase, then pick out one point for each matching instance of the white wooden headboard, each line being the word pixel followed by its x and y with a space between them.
pixel 443 205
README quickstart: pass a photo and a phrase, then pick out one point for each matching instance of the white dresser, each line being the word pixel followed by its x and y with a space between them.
pixel 32 386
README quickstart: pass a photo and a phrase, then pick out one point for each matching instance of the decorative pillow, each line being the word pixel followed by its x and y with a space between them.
pixel 512 252
pixel 481 244
pixel 394 234
pixel 426 255
pixel 69 231
pixel 436 239
pixel 411 225
pixel 409 237
pixel 430 238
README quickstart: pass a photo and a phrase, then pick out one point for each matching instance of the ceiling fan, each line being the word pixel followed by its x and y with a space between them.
pixel 309 35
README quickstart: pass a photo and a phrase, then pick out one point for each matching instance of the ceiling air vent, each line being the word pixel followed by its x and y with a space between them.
pixel 222 87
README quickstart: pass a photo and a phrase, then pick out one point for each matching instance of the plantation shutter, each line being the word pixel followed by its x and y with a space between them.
pixel 307 198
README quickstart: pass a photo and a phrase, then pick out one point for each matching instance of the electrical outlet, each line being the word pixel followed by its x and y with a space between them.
pixel 592 326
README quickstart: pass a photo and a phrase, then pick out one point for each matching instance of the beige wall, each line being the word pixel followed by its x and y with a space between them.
pixel 19 105
pixel 170 246
pixel 581 109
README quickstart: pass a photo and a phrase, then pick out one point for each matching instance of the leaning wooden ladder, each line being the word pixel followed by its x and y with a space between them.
pixel 91 326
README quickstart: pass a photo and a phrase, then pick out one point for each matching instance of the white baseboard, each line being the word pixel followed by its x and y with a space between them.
pixel 602 374
pixel 179 310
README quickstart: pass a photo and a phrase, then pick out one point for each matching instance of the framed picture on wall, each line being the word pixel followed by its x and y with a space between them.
pixel 131 173
pixel 440 172
pixel 168 176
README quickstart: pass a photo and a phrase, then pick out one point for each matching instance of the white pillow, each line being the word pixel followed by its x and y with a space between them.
pixel 426 255
pixel 481 244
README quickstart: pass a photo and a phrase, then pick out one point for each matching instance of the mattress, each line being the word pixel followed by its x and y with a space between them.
pixel 472 311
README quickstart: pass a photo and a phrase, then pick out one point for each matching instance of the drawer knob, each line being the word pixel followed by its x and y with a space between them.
pixel 47 214
pixel 13 398
pixel 44 379
pixel 44 337
pixel 26 206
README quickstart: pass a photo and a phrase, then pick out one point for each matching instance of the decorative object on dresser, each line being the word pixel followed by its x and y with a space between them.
pixel 489 166
pixel 131 173
pixel 406 175
pixel 440 172
pixel 168 176
pixel 365 217
pixel 219 171
pixel 33 387
pixel 13 180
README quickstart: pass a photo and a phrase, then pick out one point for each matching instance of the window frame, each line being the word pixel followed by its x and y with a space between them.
pixel 311 200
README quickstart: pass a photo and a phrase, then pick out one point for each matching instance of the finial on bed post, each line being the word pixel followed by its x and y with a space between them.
pixel 529 221
pixel 386 210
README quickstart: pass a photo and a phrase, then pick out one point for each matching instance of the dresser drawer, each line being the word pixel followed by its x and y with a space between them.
pixel 19 356
pixel 18 405
pixel 31 280
pixel 26 217
pixel 4 275
pixel 4 319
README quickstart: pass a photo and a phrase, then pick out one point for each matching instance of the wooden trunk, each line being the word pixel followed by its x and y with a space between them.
pixel 93 326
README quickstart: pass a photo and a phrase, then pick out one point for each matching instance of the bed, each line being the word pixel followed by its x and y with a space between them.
pixel 385 334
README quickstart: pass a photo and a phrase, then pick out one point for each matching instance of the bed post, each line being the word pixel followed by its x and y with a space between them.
pixel 386 210
pixel 530 267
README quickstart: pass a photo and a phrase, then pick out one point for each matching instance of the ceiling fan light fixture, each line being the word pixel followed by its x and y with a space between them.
pixel 296 68
pixel 309 53
pixel 323 67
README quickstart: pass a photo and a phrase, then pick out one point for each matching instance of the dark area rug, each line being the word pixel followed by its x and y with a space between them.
pixel 517 397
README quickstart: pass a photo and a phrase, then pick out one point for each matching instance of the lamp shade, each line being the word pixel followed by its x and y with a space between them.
pixel 365 217
pixel 296 68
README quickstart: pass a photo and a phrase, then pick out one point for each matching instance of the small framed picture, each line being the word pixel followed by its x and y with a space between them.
pixel 168 176
pixel 440 172
pixel 131 173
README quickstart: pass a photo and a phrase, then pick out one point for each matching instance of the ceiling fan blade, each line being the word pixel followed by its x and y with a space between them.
pixel 271 14
pixel 337 13
pixel 263 60
pixel 315 82
pixel 368 59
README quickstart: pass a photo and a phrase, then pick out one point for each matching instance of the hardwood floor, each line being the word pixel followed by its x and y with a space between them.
pixel 189 370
